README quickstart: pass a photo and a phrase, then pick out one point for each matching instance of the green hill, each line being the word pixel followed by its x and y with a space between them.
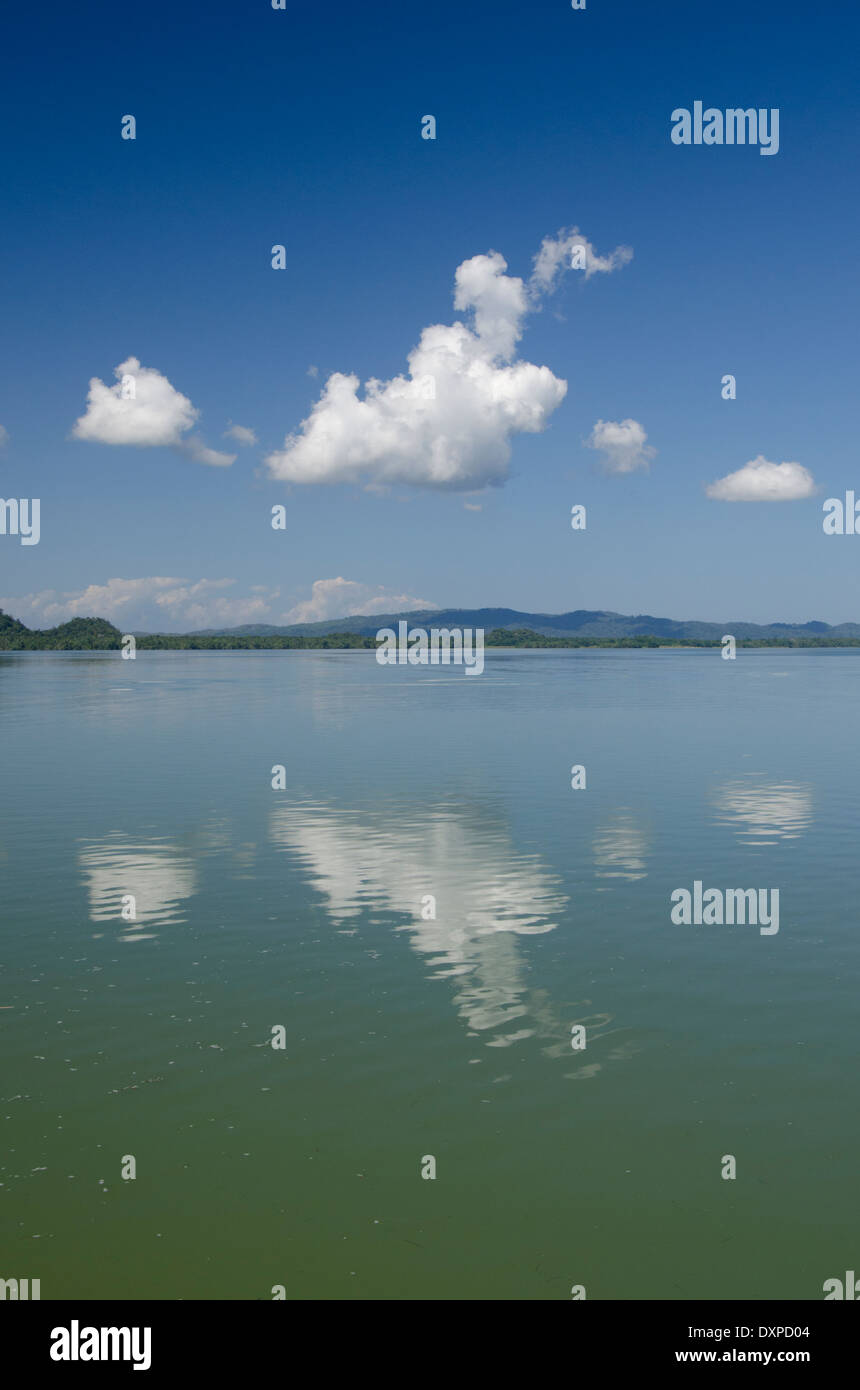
pixel 79 635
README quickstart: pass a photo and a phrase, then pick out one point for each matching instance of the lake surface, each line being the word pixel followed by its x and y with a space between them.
pixel 408 1037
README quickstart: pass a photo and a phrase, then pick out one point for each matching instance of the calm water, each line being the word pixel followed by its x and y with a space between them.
pixel 408 1037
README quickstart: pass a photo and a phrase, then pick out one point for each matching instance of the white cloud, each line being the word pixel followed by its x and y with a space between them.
pixel 497 301
pixel 144 410
pixel 342 598
pixel 555 256
pixel 4 436
pixel 448 424
pixel 201 453
pixel 155 604
pixel 164 604
pixel 191 606
pixel 241 434
pixel 156 414
pixel 622 442
pixel 761 481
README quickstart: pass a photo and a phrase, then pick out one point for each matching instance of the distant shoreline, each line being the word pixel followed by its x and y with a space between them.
pixel 500 627
pixel 58 640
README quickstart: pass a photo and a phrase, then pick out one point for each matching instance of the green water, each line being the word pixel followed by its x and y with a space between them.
pixel 409 1037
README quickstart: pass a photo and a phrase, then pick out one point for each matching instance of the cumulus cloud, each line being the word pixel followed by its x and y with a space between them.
pixel 761 481
pixel 449 423
pixel 622 443
pixel 157 603
pixel 155 414
pixel 240 433
pixel 145 410
pixel 497 301
pixel 556 253
pixel 341 598
pixel 164 604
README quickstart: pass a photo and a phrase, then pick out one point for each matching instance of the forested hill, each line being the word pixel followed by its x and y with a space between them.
pixel 79 635
pixel 98 635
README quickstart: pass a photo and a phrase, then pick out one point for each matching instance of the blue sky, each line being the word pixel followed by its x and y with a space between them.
pixel 302 127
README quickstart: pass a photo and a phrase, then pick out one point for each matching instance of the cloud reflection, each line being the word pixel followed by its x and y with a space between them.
pixel 620 847
pixel 158 876
pixel 763 813
pixel 487 896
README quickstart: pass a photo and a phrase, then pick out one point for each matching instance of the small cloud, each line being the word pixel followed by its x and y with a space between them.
pixel 313 371
pixel 473 506
pixel 762 481
pixel 342 598
pixel 201 453
pixel 556 253
pixel 240 433
pixel 4 436
pixel 155 414
pixel 143 410
pixel 622 442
